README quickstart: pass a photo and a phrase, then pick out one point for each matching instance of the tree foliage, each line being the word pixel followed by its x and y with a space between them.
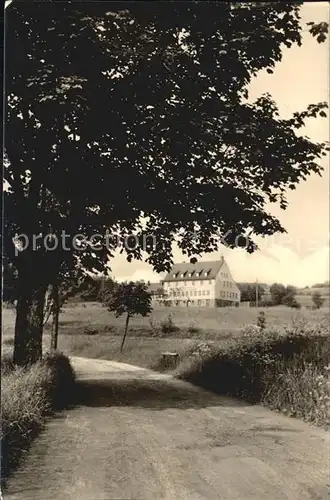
pixel 317 299
pixel 249 291
pixel 134 118
pixel 130 299
pixel 282 295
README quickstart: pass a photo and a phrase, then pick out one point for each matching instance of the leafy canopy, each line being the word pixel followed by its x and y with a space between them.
pixel 129 298
pixel 135 117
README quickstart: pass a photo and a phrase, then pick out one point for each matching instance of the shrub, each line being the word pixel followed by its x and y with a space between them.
pixel 90 331
pixel 168 326
pixel 28 396
pixel 289 373
pixel 261 321
pixel 193 329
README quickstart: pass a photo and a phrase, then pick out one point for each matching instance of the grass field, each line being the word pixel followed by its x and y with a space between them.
pixel 88 329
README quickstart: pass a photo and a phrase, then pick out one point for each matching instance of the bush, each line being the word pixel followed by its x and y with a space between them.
pixel 261 321
pixel 168 326
pixel 289 373
pixel 28 396
pixel 193 329
pixel 90 331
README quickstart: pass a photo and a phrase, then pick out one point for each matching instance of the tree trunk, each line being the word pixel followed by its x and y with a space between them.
pixel 124 337
pixel 29 323
pixel 56 313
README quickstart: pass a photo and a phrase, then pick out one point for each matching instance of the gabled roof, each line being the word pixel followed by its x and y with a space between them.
pixel 196 271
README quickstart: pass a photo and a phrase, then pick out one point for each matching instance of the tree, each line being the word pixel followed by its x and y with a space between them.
pixel 108 287
pixel 282 295
pixel 289 297
pixel 277 292
pixel 130 299
pixel 145 103
pixel 69 283
pixel 249 290
pixel 9 277
pixel 317 299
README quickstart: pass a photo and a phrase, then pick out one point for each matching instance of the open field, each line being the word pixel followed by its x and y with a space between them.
pixel 305 299
pixel 88 329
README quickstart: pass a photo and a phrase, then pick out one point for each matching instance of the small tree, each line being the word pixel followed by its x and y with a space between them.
pixel 130 299
pixel 261 321
pixel 277 292
pixel 317 300
pixel 290 296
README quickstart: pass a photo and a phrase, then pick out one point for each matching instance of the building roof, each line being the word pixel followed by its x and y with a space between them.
pixel 154 287
pixel 194 272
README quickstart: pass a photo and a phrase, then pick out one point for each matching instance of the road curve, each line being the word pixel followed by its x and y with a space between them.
pixel 137 434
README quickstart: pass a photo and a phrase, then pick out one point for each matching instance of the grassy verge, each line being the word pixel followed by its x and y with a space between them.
pixel 28 396
pixel 289 373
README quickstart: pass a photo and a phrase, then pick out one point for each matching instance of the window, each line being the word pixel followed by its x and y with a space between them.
pixel 174 294
pixel 208 292
pixel 174 275
pixel 236 296
pixel 197 274
pixel 177 284
pixel 203 292
pixel 205 274
pixel 185 283
pixel 207 302
pixel 195 293
pixel 210 282
pixel 201 283
pixel 187 294
pixel 182 275
pixel 199 302
pixel 199 292
pixel 193 283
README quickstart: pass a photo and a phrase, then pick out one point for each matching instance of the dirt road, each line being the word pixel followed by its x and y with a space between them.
pixel 141 435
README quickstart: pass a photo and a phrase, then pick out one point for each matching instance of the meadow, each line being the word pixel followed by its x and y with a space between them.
pixel 88 329
pixel 285 365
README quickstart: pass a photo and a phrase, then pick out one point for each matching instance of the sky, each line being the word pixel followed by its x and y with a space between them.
pixel 300 257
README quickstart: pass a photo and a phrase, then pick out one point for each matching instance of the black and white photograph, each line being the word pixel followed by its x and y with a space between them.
pixel 165 231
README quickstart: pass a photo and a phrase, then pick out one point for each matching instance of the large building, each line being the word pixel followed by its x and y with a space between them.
pixel 208 284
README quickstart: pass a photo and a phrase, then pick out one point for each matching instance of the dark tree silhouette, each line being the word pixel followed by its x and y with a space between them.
pixel 117 111
pixel 317 299
pixel 130 299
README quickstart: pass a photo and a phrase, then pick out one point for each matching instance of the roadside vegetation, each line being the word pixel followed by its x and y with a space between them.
pixel 28 396
pixel 289 372
pixel 278 357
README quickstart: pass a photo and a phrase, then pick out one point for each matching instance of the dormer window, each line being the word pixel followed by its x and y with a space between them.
pixel 174 275
pixel 206 273
pixel 182 275
pixel 197 274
